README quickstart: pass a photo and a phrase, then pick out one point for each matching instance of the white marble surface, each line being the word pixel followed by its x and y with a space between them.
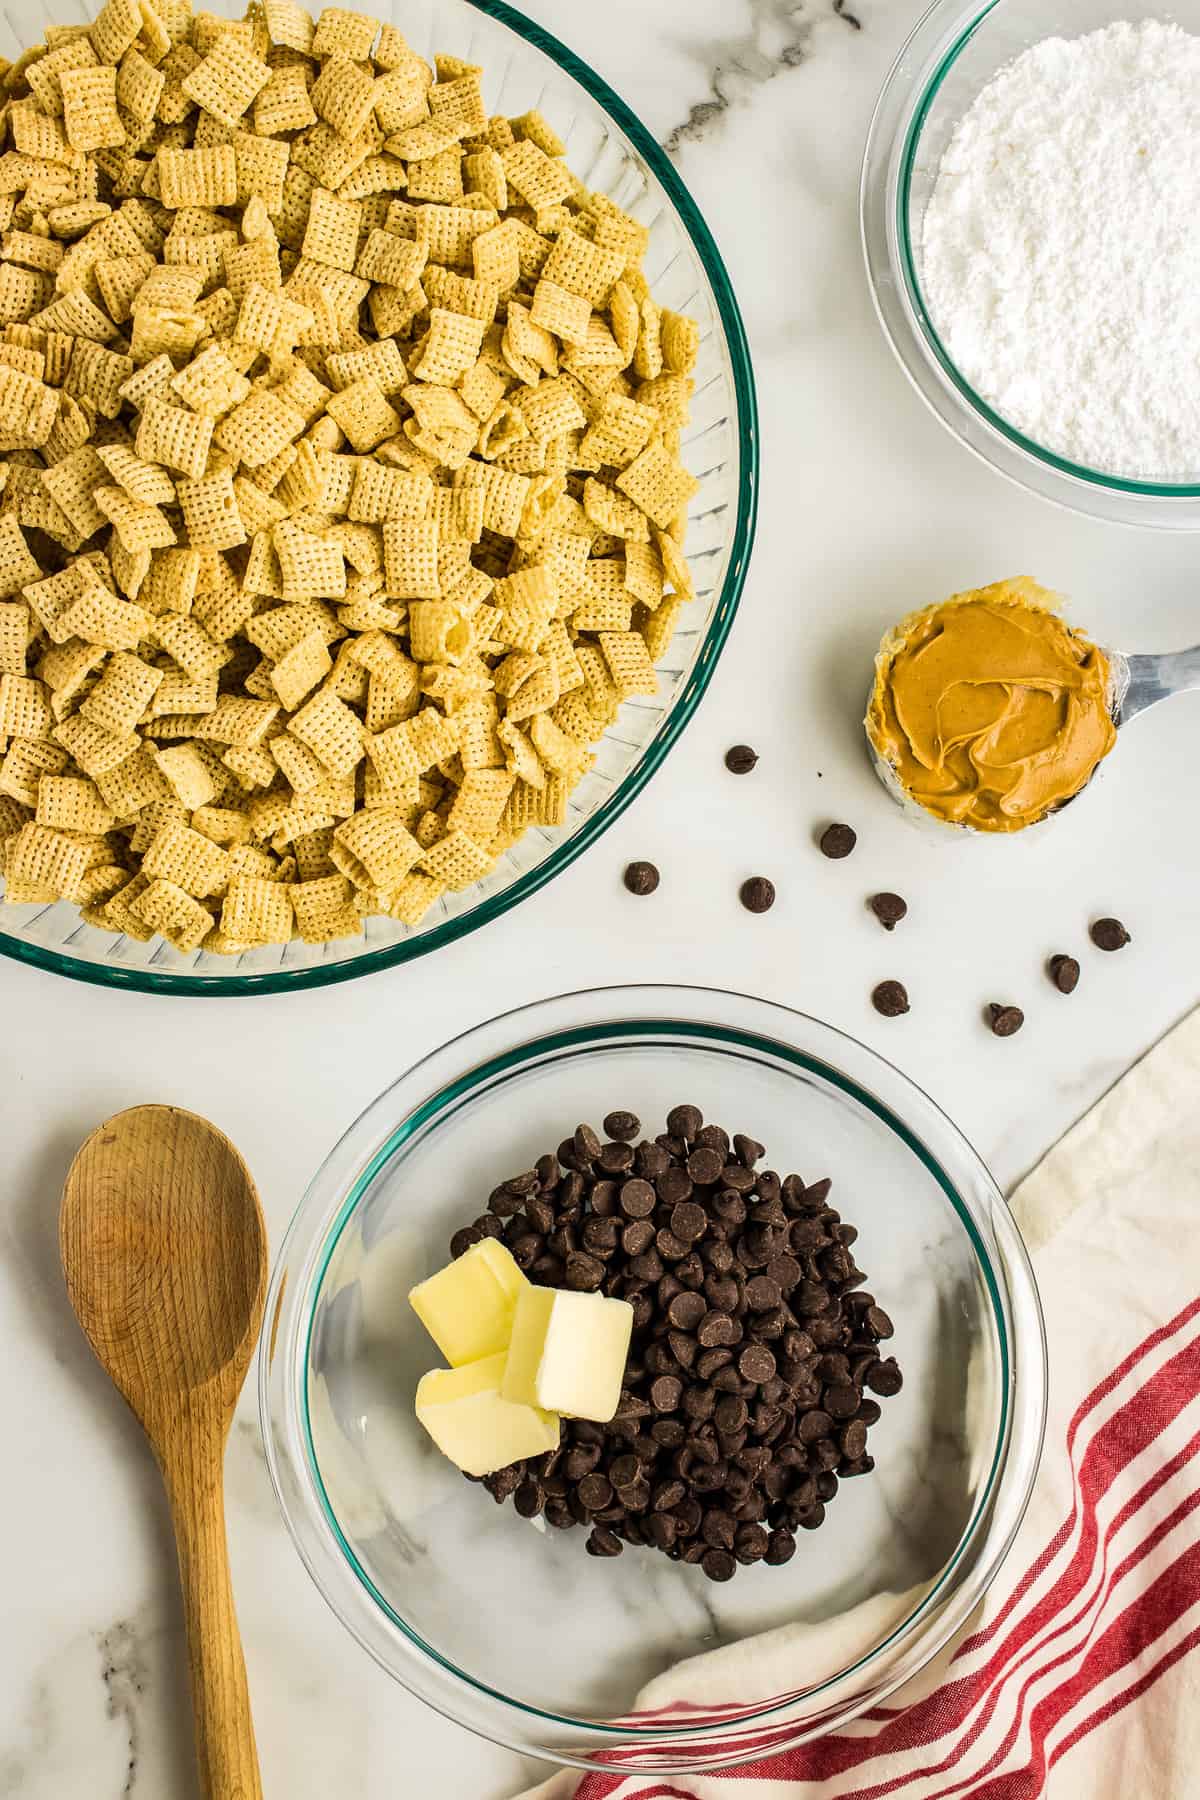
pixel 867 509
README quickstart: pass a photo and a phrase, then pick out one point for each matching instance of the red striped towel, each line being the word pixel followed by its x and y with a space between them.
pixel 1076 1679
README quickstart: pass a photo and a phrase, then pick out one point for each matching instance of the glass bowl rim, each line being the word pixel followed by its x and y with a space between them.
pixel 452 1090
pixel 905 99
pixel 707 655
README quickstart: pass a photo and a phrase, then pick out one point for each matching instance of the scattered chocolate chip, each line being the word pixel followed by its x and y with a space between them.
pixel 890 998
pixel 1064 973
pixel 889 909
pixel 622 1126
pixel 1005 1020
pixel 1108 934
pixel 684 1121
pixel 640 878
pixel 837 841
pixel 741 759
pixel 758 894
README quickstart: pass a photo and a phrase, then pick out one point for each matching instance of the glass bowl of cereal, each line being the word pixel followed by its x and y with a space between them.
pixel 854 1300
pixel 373 551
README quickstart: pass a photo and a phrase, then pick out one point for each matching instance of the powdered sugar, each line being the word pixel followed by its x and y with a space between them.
pixel 1060 249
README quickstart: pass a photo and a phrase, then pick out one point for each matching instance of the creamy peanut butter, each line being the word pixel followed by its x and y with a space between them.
pixel 990 710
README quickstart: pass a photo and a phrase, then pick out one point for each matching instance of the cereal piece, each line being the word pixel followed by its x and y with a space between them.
pixel 227 80
pixel 44 865
pixel 310 565
pixel 210 384
pixel 210 515
pixel 18 568
pixel 374 849
pixel 122 694
pixel 259 428
pixel 24 764
pixel 344 96
pixel 189 776
pixel 188 859
pixel 15 628
pixel 205 177
pixel 349 34
pixel 71 803
pixel 284 103
pixel 456 861
pixel 364 414
pixel 557 310
pixel 331 235
pixel 175 436
pixel 91 118
pixel 330 729
pixel 173 914
pixel 658 484
pixel 301 669
pixel 139 527
pixel 540 180
pixel 325 909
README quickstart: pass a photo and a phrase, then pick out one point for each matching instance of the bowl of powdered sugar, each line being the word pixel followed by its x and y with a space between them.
pixel 1031 221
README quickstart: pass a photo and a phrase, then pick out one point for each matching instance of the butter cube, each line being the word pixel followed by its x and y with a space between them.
pixel 472 1423
pixel 568 1352
pixel 467 1307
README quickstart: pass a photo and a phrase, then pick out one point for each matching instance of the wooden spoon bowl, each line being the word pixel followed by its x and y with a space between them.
pixel 165 1256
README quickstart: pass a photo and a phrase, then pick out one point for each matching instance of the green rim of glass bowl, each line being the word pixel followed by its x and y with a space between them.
pixel 655 753
pixel 751 1045
pixel 1077 471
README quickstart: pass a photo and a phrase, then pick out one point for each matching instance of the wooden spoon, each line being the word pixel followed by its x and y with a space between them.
pixel 165 1254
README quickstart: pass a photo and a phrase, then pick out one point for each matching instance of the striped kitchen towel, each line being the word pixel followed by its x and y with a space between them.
pixel 1077 1678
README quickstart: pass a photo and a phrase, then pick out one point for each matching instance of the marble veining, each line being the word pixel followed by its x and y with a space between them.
pixel 779 35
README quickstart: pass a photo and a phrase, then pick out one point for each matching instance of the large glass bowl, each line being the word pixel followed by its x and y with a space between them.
pixel 518 1634
pixel 956 49
pixel 524 67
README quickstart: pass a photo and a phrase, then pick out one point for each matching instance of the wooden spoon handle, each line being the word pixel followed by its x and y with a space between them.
pixel 194 1474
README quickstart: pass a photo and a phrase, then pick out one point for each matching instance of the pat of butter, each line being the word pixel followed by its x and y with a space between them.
pixel 568 1352
pixel 467 1307
pixel 472 1423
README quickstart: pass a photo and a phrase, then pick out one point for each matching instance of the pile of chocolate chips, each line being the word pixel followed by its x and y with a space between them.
pixel 754 1343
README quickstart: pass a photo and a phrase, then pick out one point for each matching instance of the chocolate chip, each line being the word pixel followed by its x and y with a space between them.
pixel 717 1328
pixel 686 1310
pixel 596 1492
pixel 889 909
pixel 603 1542
pixel 758 894
pixel 762 1293
pixel 890 998
pixel 462 1241
pixel 781 1547
pixel 1005 1021
pixel 1108 934
pixel 837 841
pixel 684 1121
pixel 641 878
pixel 636 1199
pixel 689 1221
pixel 666 1393
pixel 740 759
pixel 1064 973
pixel 623 1126
pixel 756 1363
pixel 704 1166
pixel 718 1565
pixel 884 1378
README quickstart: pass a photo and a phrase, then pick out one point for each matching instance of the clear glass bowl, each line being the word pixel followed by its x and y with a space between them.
pixel 518 1634
pixel 607 145
pixel 954 52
